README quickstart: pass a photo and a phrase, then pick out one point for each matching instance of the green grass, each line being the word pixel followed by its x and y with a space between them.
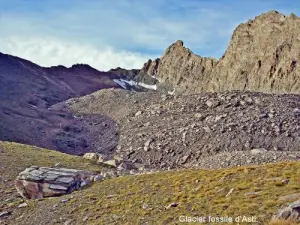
pixel 14 158
pixel 120 200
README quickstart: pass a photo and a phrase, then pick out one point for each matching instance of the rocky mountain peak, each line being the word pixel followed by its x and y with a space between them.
pixel 180 67
pixel 176 46
pixel 179 43
pixel 263 55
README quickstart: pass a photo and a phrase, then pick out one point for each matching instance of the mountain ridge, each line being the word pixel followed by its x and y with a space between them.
pixel 261 56
pixel 27 93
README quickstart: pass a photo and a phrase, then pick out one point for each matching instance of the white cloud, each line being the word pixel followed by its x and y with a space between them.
pixel 51 51
pixel 130 25
pixel 122 33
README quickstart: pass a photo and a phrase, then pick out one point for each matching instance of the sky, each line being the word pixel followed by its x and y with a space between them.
pixel 126 33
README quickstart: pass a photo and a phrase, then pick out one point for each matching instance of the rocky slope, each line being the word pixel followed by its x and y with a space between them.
pixel 207 130
pixel 263 55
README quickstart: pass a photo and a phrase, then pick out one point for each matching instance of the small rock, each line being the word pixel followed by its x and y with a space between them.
pixel 285 181
pixel 98 178
pixel 249 100
pixel 85 183
pixel 247 145
pixel 145 206
pixel 198 115
pixel 138 113
pixel 185 158
pixel 212 103
pixel 295 205
pixel 68 222
pixel 147 124
pixel 242 103
pixel 230 192
pixel 112 162
pixel 111 196
pixel 173 204
pixel 296 110
pixel 23 205
pixel 91 156
pixel 163 97
pixel 4 213
pixel 118 158
pixel 256 151
pixel 127 166
pixel 207 129
pixel 109 174
pixel 252 194
pixel 102 158
pixel 263 115
pixel 220 117
pixel 147 144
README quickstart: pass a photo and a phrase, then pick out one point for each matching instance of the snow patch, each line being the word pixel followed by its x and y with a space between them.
pixel 148 86
pixel 123 83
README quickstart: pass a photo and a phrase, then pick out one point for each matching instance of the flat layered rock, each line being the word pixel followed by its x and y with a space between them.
pixel 38 182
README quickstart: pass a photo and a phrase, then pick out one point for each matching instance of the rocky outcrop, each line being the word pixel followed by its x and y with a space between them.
pixel 130 74
pixel 151 67
pixel 39 182
pixel 290 213
pixel 263 55
pixel 182 69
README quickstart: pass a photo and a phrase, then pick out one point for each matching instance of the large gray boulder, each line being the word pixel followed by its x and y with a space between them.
pixel 39 182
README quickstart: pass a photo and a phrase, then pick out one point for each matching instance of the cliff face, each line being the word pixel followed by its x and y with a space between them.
pixel 184 70
pixel 263 55
pixel 151 67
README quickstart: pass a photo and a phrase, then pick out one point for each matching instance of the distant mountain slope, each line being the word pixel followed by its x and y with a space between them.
pixel 263 55
pixel 28 90
pixel 23 82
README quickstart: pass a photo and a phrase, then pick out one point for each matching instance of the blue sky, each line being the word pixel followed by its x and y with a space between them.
pixel 111 33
